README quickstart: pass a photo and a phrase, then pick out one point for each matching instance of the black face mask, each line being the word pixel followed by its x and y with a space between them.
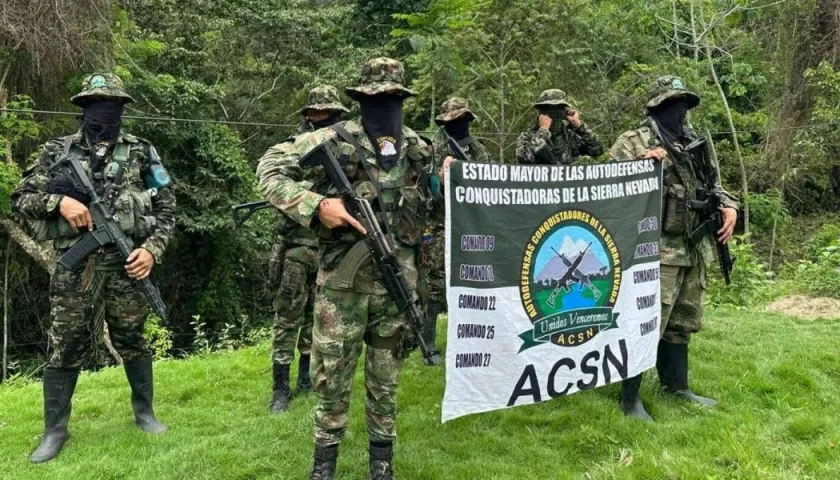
pixel 331 120
pixel 382 119
pixel 670 116
pixel 558 116
pixel 101 120
pixel 459 128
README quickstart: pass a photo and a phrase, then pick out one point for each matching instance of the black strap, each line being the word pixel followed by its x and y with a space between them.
pixel 360 152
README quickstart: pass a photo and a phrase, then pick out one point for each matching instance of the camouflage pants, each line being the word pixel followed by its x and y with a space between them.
pixel 294 303
pixel 75 303
pixel 433 264
pixel 343 321
pixel 682 302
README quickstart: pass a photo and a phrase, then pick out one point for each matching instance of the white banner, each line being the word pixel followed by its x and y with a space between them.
pixel 553 280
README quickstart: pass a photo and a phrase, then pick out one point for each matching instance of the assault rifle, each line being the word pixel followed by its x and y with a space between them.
pixel 455 147
pixel 707 204
pixel 377 245
pixel 106 230
pixel 250 209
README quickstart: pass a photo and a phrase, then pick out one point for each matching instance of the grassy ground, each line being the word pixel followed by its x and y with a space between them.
pixel 778 379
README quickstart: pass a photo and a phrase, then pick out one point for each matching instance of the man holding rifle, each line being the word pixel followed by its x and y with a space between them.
pixel 698 218
pixel 452 140
pixel 97 194
pixel 371 189
pixel 293 266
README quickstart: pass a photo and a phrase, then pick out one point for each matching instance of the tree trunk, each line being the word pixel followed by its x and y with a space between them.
pixel 745 208
pixel 44 255
pixel 694 34
pixel 676 29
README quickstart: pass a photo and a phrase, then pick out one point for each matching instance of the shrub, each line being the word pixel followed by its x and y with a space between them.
pixel 752 282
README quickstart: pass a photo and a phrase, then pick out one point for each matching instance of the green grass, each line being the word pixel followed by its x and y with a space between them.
pixel 778 380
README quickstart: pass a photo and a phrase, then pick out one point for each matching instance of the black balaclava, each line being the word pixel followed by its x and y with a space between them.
pixel 382 119
pixel 101 120
pixel 334 118
pixel 670 116
pixel 459 128
pixel 558 116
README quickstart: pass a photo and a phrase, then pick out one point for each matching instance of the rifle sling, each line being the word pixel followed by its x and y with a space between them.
pixel 360 152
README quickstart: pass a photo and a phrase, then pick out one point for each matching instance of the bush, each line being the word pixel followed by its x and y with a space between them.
pixel 819 277
pixel 158 337
pixel 752 282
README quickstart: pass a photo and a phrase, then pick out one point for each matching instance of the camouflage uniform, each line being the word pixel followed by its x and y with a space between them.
pixel 563 143
pixel 683 268
pixel 294 258
pixel 347 317
pixel 433 250
pixel 102 290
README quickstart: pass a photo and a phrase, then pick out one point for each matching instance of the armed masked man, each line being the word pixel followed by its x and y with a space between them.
pixel 386 163
pixel 106 286
pixel 455 120
pixel 558 134
pixel 293 266
pixel 664 135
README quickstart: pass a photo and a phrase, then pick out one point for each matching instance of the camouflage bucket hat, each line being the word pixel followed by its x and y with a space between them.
pixel 102 85
pixel 381 75
pixel 324 98
pixel 668 87
pixel 552 98
pixel 454 108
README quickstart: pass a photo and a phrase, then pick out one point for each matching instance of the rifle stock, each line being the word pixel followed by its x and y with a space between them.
pixel 250 209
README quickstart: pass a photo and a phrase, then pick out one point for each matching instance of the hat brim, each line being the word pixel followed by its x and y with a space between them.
pixel 692 98
pixel 552 103
pixel 454 115
pixel 81 99
pixel 379 88
pixel 324 107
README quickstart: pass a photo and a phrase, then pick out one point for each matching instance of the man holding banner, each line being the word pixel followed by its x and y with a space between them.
pixel 665 135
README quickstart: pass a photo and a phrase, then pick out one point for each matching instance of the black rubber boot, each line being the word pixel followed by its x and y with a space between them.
pixel 430 329
pixel 672 364
pixel 141 380
pixel 282 393
pixel 59 385
pixel 631 400
pixel 381 459
pixel 304 383
pixel 323 468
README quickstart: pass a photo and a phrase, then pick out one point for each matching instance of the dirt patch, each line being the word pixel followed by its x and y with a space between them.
pixel 809 308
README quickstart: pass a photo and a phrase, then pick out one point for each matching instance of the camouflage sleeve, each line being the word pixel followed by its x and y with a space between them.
pixel 528 143
pixel 624 149
pixel 441 150
pixel 279 176
pixel 585 142
pixel 479 153
pixel 30 198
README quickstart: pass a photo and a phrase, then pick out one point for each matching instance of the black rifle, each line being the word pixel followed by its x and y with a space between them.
pixel 707 204
pixel 455 147
pixel 106 230
pixel 250 209
pixel 377 245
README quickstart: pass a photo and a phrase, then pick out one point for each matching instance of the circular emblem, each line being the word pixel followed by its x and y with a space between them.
pixel 570 280
pixel 97 81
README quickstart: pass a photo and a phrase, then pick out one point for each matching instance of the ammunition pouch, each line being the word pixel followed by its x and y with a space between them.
pixel 275 265
pixel 410 217
pixel 134 212
pixel 675 204
pixel 391 343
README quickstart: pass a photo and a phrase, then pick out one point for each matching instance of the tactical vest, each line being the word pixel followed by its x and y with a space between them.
pixel 400 194
pixel 133 204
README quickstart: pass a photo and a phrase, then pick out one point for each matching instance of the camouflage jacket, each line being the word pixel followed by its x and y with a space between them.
pixel 567 145
pixel 289 231
pixel 284 184
pixel 145 215
pixel 673 248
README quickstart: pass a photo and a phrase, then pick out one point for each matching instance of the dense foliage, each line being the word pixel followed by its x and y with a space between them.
pixel 770 95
